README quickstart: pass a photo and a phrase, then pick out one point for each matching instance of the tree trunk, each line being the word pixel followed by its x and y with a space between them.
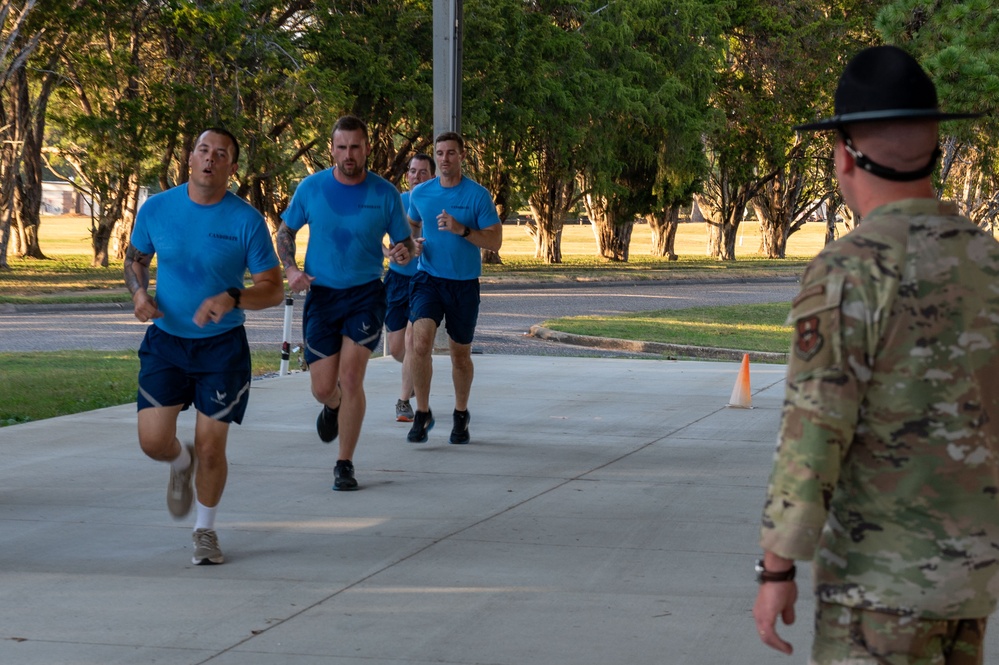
pixel 29 178
pixel 123 228
pixel 663 225
pixel 773 231
pixel 546 229
pixel 723 221
pixel 108 214
pixel 612 236
pixel 26 222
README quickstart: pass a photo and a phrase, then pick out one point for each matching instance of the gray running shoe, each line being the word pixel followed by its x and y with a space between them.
pixel 403 411
pixel 206 547
pixel 180 491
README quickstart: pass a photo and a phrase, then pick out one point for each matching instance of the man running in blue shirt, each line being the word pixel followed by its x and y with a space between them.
pixel 397 278
pixel 349 209
pixel 458 220
pixel 205 238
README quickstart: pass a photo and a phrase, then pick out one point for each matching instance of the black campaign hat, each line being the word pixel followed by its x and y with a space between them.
pixel 884 83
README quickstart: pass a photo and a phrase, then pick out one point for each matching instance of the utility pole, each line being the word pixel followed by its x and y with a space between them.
pixel 448 26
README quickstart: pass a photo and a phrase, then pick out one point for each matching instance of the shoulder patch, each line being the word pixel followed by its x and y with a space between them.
pixel 808 340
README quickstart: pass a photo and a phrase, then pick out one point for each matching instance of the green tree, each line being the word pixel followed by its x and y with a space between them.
pixel 656 59
pixel 42 37
pixel 17 44
pixel 955 42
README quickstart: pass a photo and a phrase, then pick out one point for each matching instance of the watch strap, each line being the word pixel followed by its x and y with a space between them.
pixel 235 294
pixel 763 575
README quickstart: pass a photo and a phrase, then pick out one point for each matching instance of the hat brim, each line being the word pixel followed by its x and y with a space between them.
pixel 878 116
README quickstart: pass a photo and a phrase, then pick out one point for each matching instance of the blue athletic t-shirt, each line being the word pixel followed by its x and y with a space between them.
pixel 200 252
pixel 346 226
pixel 410 268
pixel 447 254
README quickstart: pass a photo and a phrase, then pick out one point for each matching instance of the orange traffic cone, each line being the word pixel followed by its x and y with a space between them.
pixel 742 397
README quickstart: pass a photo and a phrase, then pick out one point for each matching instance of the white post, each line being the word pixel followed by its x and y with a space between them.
pixel 289 308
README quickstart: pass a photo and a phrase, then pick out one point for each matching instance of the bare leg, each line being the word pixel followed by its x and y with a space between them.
pixel 210 437
pixel 421 351
pixel 158 432
pixel 462 372
pixel 353 365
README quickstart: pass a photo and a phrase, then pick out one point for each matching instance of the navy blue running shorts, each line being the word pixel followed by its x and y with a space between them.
pixel 213 373
pixel 332 314
pixel 454 301
pixel 397 299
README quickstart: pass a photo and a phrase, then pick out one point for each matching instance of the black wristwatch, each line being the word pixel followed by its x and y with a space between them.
pixel 764 575
pixel 235 294
pixel 466 232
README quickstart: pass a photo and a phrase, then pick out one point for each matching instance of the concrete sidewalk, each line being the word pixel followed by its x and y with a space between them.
pixel 606 511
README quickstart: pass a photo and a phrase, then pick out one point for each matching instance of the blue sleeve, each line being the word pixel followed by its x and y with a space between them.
pixel 294 215
pixel 486 214
pixel 260 254
pixel 140 232
pixel 398 226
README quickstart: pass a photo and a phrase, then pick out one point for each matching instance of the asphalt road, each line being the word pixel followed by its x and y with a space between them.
pixel 505 317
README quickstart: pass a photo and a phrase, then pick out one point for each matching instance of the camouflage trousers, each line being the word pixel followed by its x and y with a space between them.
pixel 849 636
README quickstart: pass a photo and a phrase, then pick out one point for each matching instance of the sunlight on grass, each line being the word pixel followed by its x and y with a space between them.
pixel 747 327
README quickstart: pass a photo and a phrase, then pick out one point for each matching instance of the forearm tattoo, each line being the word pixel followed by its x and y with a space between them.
pixel 136 269
pixel 286 246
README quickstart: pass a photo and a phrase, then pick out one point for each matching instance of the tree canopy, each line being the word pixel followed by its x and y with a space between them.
pixel 622 110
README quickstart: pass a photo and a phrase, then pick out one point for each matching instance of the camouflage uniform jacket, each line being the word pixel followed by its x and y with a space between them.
pixel 887 468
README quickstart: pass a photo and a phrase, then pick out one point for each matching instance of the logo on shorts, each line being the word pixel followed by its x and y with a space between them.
pixel 365 327
pixel 219 398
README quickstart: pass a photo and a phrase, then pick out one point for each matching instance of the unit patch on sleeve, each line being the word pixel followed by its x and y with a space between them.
pixel 809 338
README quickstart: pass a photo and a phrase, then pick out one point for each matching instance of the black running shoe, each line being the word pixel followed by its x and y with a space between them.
pixel 343 476
pixel 423 422
pixel 328 423
pixel 459 433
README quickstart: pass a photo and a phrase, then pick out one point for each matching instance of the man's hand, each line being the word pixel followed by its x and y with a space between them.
pixel 446 222
pixel 773 599
pixel 398 253
pixel 298 280
pixel 145 306
pixel 213 309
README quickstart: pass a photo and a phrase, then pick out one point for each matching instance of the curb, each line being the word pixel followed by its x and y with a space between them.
pixel 658 348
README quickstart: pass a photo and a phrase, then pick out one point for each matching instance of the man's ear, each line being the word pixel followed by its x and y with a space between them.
pixel 845 162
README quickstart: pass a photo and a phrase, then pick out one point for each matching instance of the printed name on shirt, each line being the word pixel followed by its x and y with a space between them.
pixel 222 236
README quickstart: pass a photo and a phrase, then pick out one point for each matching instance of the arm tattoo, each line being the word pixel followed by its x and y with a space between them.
pixel 286 246
pixel 136 269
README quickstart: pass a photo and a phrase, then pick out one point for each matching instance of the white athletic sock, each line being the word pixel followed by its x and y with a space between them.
pixel 183 460
pixel 206 517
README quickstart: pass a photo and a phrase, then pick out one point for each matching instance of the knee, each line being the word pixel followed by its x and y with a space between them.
pixel 397 345
pixel 325 394
pixel 210 456
pixel 398 352
pixel 157 447
pixel 461 359
pixel 422 346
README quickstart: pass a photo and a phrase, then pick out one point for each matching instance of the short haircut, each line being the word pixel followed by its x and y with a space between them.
pixel 350 123
pixel 420 157
pixel 451 136
pixel 227 134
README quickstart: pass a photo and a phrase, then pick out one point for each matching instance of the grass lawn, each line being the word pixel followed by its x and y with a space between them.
pixel 66 276
pixel 85 380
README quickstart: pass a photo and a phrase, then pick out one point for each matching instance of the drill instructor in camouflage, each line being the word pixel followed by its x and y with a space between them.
pixel 887 469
